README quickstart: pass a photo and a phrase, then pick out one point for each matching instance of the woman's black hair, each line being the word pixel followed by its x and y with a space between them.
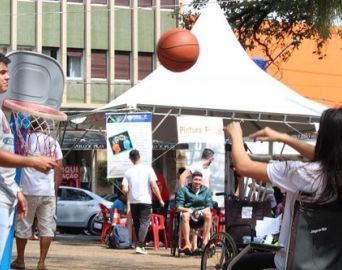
pixel 328 152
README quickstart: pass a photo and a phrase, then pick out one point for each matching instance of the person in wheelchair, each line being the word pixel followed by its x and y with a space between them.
pixel 320 176
pixel 194 202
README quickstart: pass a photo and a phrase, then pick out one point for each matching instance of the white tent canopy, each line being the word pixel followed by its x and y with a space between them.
pixel 224 82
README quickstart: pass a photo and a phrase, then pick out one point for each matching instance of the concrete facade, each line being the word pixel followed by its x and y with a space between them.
pixel 38 25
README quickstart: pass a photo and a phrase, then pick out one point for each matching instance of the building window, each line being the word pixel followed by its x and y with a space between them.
pixel 50 51
pixel 122 65
pixel 74 63
pixel 75 1
pixel 168 4
pixel 104 2
pixel 145 3
pixel 145 65
pixel 124 3
pixel 25 48
pixel 98 64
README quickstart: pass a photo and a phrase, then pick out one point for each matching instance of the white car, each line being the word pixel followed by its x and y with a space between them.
pixel 77 208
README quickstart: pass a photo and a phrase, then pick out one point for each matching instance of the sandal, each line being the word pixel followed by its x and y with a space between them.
pixel 197 252
pixel 41 267
pixel 16 265
pixel 186 251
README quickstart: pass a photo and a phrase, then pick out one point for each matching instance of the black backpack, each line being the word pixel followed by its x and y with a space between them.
pixel 316 236
pixel 118 238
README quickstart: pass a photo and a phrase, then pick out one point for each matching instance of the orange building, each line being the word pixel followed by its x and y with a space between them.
pixel 317 79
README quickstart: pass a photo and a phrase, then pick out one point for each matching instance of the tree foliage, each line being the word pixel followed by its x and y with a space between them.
pixel 277 25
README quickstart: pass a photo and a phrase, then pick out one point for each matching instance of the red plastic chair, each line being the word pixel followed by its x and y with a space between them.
pixel 217 221
pixel 157 224
pixel 106 224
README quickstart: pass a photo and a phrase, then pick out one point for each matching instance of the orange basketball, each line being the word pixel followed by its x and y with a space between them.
pixel 178 49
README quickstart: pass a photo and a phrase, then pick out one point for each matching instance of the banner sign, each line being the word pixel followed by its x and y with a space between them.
pixel 124 133
pixel 196 129
pixel 79 140
pixel 71 175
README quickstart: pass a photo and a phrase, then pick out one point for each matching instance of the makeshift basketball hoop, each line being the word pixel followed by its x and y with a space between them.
pixel 34 126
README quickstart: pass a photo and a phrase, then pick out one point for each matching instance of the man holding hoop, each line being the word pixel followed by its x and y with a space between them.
pixel 40 191
pixel 10 193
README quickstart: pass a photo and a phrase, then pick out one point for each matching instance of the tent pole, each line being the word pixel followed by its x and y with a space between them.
pixel 164 153
pixel 300 133
pixel 228 178
pixel 161 121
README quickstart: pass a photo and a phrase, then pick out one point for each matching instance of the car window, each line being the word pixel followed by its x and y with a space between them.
pixel 59 193
pixel 76 195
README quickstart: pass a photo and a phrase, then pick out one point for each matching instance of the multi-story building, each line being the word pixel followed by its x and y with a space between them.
pixel 103 46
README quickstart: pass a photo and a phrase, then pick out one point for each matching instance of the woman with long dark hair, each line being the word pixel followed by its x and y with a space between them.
pixel 320 176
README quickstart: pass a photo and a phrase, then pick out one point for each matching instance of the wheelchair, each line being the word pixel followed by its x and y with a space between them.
pixel 224 246
pixel 177 240
pixel 218 251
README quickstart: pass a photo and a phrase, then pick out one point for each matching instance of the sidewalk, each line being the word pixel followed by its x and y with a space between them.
pixel 84 252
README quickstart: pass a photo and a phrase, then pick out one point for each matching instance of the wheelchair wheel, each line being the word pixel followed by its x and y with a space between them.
pixel 220 249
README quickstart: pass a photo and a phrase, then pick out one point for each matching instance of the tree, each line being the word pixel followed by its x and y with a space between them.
pixel 277 25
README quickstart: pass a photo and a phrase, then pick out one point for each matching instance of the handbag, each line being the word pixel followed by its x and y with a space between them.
pixel 316 237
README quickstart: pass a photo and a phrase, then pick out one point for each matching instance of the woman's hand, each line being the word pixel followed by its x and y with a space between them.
pixel 233 129
pixel 267 134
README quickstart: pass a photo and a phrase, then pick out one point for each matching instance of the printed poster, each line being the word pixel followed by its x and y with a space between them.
pixel 200 129
pixel 124 133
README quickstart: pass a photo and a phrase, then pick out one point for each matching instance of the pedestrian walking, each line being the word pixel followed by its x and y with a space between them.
pixel 139 181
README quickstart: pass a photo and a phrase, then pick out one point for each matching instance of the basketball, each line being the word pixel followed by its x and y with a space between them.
pixel 178 50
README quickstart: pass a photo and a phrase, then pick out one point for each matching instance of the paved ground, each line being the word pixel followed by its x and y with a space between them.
pixel 85 252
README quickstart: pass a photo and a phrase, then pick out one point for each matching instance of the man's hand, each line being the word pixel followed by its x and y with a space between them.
pixel 44 164
pixel 162 203
pixel 22 205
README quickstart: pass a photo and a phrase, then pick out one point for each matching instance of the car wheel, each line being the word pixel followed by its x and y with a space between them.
pixel 91 226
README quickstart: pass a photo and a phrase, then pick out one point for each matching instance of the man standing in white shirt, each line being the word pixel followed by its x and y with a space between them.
pixel 40 191
pixel 139 181
pixel 200 166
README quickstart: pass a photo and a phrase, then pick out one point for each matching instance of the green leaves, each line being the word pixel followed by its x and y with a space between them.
pixel 275 25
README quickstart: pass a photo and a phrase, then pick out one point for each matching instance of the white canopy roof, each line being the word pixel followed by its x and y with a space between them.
pixel 224 82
